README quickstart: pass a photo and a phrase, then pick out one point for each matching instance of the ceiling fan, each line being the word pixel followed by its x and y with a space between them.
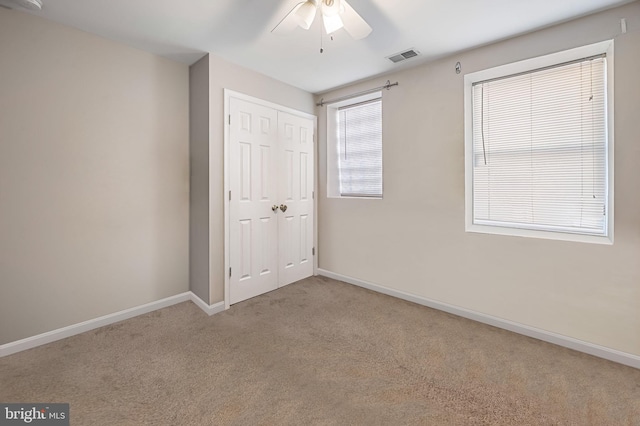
pixel 336 14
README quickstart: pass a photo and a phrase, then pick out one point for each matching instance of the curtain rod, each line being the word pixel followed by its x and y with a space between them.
pixel 388 85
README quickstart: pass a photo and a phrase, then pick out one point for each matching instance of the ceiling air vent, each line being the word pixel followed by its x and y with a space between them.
pixel 399 57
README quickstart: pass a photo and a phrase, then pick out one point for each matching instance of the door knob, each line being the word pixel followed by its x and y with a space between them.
pixel 283 207
pixel 274 208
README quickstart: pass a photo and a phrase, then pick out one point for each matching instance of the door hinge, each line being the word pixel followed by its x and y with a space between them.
pixel 229 195
pixel 313 251
pixel 313 195
pixel 229 118
pixel 229 272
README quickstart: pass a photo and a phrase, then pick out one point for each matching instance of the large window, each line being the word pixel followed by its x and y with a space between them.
pixel 538 147
pixel 354 147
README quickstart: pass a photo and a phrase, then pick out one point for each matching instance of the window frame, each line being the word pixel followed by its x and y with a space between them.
pixel 333 170
pixel 525 66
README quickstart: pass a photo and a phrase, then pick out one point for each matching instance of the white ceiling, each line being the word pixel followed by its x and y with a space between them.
pixel 239 31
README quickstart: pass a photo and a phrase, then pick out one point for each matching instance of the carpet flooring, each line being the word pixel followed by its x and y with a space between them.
pixel 319 352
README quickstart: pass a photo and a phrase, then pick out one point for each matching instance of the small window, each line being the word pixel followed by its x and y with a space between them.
pixel 354 147
pixel 538 149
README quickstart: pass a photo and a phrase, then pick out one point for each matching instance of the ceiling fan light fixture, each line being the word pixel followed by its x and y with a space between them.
pixel 332 23
pixel 306 13
pixel 336 14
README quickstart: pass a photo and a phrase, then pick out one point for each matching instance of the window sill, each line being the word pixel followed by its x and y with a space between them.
pixel 549 235
pixel 356 197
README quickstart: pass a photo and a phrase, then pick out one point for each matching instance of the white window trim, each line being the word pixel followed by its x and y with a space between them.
pixel 525 66
pixel 333 180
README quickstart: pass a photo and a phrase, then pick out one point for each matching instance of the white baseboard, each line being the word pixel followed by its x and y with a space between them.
pixel 72 330
pixel 209 309
pixel 547 336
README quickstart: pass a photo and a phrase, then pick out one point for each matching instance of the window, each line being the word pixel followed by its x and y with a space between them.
pixel 354 147
pixel 538 149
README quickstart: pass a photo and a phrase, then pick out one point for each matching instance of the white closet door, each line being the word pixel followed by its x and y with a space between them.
pixel 295 230
pixel 253 139
pixel 271 173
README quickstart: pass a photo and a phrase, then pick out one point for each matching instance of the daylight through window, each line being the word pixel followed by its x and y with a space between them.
pixel 539 149
pixel 355 147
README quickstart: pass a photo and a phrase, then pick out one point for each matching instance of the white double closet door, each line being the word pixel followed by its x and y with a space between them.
pixel 271 198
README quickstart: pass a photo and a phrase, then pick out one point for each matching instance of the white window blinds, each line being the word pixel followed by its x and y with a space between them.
pixel 359 128
pixel 540 149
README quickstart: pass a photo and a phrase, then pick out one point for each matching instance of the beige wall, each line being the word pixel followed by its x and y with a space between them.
pixel 199 178
pixel 94 183
pixel 414 240
pixel 225 75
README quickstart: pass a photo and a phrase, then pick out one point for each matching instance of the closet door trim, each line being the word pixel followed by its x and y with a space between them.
pixel 228 94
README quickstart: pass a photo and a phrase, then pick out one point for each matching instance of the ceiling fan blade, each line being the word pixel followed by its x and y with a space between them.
pixel 289 22
pixel 353 23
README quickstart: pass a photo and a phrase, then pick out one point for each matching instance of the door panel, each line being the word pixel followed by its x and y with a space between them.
pixel 296 183
pixel 253 136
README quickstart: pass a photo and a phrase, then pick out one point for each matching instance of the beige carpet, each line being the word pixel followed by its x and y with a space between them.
pixel 319 352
